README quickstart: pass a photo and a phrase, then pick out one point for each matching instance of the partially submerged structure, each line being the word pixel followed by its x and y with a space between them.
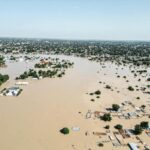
pixel 133 146
pixel 12 91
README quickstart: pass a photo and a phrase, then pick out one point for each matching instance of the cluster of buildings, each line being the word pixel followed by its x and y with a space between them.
pixel 125 137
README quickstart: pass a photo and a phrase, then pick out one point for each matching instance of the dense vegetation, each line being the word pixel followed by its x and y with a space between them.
pixel 54 68
pixel 37 74
pixel 54 63
pixel 136 53
pixel 138 129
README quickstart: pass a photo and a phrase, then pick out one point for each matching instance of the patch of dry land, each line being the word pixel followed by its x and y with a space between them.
pixel 32 120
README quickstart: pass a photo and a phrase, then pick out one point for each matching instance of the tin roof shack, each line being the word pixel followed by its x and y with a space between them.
pixel 132 115
pixel 133 146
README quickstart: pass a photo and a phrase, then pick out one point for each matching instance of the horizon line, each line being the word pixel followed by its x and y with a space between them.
pixel 72 39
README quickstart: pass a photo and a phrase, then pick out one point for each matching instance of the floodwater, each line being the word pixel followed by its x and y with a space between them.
pixel 32 120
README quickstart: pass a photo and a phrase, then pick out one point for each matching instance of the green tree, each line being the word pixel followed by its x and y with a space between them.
pixel 138 129
pixel 106 117
pixel 100 144
pixel 98 92
pixel 107 127
pixel 130 88
pixel 3 78
pixel 144 124
pixel 115 107
pixel 64 130
pixel 118 126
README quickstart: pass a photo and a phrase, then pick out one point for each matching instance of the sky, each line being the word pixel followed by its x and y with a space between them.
pixel 76 19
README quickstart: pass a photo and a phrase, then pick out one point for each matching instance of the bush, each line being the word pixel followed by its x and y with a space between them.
pixel 130 88
pixel 97 92
pixel 64 130
pixel 108 87
pixel 118 126
pixel 106 117
pixel 138 129
pixel 144 125
pixel 91 93
pixel 100 144
pixel 143 106
pixel 115 107
pixel 107 127
pixel 3 78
